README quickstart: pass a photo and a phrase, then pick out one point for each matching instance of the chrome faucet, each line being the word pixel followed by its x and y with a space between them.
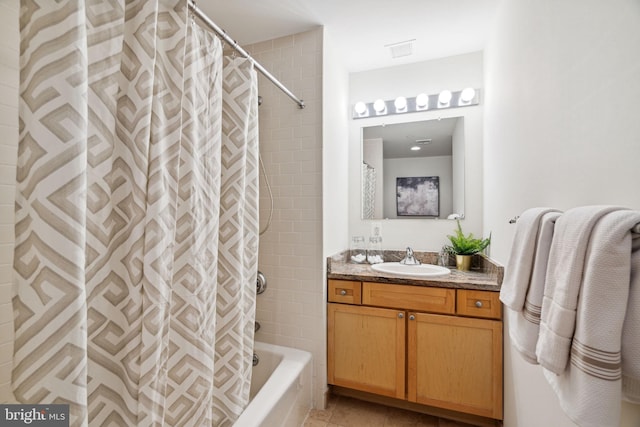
pixel 409 259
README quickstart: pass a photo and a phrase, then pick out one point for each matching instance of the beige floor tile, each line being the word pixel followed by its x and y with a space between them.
pixel 428 421
pixel 320 414
pixel 449 423
pixel 355 413
pixel 348 412
pixel 310 422
pixel 401 418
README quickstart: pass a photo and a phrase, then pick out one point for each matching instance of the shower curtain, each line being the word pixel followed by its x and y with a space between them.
pixel 368 191
pixel 136 216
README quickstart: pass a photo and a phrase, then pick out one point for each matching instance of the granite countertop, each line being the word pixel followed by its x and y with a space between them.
pixel 485 274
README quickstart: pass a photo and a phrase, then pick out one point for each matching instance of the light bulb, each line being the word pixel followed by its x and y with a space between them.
pixel 400 103
pixel 444 97
pixel 360 108
pixel 379 106
pixel 422 100
pixel 467 94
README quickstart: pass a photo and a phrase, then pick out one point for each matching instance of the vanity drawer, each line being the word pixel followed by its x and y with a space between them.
pixel 479 304
pixel 344 291
pixel 422 298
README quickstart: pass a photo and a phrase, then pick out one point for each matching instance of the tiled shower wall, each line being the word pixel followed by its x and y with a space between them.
pixel 291 310
pixel 9 58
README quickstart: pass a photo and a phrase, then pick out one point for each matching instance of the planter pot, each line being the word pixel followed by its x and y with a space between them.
pixel 463 262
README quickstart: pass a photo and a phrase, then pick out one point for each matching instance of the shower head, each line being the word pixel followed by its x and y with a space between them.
pixel 259 100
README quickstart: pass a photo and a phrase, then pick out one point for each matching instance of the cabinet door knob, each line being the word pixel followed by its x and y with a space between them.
pixel 479 304
pixel 412 317
pixel 343 292
pixel 400 315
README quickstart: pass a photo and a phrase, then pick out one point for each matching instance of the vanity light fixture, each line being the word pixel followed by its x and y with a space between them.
pixel 360 108
pixel 401 104
pixel 444 98
pixel 467 95
pixel 421 102
pixel 380 106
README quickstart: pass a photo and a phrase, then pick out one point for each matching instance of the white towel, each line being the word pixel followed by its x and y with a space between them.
pixel 517 275
pixel 605 346
pixel 631 330
pixel 524 325
pixel 562 288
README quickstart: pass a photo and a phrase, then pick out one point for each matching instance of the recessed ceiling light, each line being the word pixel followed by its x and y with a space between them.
pixel 415 148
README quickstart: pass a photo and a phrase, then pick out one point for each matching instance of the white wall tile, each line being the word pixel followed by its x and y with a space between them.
pixel 290 251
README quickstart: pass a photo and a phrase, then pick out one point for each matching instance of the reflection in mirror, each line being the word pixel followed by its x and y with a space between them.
pixel 413 170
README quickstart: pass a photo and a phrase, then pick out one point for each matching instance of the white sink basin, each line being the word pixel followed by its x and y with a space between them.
pixel 421 270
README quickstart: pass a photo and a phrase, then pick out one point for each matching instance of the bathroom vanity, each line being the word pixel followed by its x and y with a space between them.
pixel 435 344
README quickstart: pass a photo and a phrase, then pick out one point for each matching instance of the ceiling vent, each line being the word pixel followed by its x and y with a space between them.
pixel 401 49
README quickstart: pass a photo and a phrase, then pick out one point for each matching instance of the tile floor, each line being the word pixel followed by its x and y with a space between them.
pixel 348 412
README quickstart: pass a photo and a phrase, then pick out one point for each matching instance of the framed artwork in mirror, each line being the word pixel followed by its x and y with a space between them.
pixel 418 196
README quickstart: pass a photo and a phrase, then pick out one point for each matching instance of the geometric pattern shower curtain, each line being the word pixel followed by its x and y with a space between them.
pixel 121 232
pixel 238 260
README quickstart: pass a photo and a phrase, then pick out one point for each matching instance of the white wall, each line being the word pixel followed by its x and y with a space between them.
pixel 454 73
pixel 562 129
pixel 335 224
pixel 9 81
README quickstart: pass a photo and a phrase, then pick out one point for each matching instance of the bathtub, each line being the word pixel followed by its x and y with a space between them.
pixel 280 388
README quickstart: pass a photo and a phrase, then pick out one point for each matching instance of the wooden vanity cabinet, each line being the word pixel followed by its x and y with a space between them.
pixel 455 363
pixel 432 346
pixel 367 347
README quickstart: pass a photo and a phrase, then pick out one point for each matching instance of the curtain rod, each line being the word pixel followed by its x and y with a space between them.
pixel 212 25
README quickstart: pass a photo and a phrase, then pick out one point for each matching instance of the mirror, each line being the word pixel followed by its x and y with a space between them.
pixel 399 182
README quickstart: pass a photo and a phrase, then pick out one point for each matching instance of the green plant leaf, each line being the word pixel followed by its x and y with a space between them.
pixel 466 245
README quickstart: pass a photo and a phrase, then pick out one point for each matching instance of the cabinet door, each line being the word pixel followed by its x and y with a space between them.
pixel 455 363
pixel 366 349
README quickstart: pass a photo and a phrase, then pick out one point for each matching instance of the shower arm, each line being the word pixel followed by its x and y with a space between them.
pixel 214 27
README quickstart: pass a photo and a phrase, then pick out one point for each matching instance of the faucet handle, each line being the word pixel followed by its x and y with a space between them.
pixel 409 259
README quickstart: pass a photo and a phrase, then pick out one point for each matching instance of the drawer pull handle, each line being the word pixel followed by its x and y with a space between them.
pixel 343 292
pixel 412 317
pixel 479 304
pixel 400 315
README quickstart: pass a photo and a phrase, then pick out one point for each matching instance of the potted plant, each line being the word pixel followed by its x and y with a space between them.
pixel 463 247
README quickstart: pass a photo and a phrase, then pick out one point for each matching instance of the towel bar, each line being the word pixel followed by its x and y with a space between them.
pixel 635 229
